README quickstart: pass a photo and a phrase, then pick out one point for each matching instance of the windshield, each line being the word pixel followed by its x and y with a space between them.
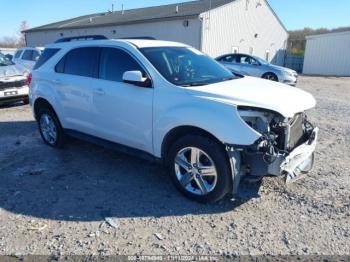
pixel 4 61
pixel 261 61
pixel 184 66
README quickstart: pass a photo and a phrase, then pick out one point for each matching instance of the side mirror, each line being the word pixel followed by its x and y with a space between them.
pixel 136 78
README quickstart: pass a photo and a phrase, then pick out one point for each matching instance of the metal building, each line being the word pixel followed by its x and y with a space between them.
pixel 328 54
pixel 214 26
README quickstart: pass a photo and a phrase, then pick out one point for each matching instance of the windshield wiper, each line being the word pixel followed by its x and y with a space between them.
pixel 195 84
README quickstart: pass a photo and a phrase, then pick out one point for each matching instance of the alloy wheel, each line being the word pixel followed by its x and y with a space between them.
pixel 195 171
pixel 48 129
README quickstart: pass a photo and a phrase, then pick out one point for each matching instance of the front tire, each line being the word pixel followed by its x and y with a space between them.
pixel 50 128
pixel 200 168
pixel 270 76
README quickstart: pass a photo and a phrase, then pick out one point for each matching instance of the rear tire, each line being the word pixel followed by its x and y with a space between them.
pixel 206 180
pixel 50 128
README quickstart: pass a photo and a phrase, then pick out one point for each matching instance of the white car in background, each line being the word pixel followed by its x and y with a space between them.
pixel 173 103
pixel 27 56
pixel 13 81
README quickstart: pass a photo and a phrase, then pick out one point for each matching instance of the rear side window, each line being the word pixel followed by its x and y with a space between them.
pixel 228 58
pixel 115 62
pixel 28 55
pixel 80 62
pixel 18 53
pixel 46 55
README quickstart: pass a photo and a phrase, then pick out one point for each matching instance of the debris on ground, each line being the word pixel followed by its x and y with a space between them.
pixel 112 222
pixel 159 236
pixel 37 228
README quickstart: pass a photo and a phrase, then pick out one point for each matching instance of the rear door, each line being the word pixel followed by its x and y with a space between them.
pixel 122 111
pixel 73 83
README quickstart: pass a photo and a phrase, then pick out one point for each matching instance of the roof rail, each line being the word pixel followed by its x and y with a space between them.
pixel 140 37
pixel 80 38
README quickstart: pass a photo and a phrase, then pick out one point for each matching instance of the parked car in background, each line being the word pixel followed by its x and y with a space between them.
pixel 27 57
pixel 9 56
pixel 13 81
pixel 258 67
pixel 171 102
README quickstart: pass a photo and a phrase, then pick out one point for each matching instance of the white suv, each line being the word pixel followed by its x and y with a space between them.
pixel 171 102
pixel 27 57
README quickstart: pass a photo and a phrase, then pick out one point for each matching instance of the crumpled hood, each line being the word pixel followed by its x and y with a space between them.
pixel 12 70
pixel 259 93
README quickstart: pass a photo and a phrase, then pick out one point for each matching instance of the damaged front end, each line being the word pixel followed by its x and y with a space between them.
pixel 286 146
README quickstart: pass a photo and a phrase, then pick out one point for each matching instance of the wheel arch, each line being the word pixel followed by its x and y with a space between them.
pixel 180 131
pixel 40 103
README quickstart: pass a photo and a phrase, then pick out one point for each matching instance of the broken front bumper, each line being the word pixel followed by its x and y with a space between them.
pixel 292 165
pixel 300 160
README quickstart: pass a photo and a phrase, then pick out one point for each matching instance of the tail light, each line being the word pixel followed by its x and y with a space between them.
pixel 29 79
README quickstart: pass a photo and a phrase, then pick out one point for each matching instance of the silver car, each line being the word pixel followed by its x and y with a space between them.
pixel 258 67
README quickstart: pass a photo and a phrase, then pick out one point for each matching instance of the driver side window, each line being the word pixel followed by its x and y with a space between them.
pixel 247 60
pixel 115 62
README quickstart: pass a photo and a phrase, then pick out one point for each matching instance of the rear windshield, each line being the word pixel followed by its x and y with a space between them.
pixel 45 56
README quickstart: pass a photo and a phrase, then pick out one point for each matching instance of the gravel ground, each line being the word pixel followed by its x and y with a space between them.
pixel 57 201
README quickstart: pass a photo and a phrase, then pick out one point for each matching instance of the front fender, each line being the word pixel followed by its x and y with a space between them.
pixel 219 119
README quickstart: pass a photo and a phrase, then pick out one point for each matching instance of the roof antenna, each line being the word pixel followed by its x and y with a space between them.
pixel 112 7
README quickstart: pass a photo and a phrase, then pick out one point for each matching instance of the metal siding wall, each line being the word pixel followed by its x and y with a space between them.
pixel 165 30
pixel 328 55
pixel 236 24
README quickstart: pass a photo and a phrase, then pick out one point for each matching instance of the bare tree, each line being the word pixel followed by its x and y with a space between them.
pixel 9 42
pixel 22 38
pixel 297 38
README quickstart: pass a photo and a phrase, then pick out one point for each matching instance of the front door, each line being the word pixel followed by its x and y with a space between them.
pixel 249 65
pixel 122 112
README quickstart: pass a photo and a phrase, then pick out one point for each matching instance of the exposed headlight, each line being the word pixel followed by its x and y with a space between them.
pixel 258 119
